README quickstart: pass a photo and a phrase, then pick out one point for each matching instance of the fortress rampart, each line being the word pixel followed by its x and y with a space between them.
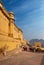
pixel 10 34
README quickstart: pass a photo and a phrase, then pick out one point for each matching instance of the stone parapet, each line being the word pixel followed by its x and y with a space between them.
pixel 4 10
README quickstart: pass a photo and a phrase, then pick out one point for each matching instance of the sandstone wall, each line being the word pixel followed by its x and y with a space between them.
pixel 4 21
pixel 9 42
pixel 9 35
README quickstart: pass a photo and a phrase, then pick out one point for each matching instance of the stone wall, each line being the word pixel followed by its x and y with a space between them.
pixel 10 35
pixel 4 21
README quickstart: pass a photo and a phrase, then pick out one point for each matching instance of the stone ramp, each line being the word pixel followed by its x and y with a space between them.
pixel 10 54
pixel 24 58
pixel 11 43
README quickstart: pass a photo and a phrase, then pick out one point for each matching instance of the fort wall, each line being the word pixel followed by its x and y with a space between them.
pixel 10 35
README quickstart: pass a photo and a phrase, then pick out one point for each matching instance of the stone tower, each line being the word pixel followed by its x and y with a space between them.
pixel 11 24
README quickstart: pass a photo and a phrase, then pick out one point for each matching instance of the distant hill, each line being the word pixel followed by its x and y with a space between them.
pixel 36 40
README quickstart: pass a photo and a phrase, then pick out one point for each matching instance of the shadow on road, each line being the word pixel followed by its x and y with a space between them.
pixel 42 62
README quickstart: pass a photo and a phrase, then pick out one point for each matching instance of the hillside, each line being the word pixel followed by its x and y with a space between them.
pixel 37 40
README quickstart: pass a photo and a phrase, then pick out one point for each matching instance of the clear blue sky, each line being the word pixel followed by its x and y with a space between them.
pixel 29 15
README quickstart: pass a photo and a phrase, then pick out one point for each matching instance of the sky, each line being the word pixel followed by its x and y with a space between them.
pixel 29 16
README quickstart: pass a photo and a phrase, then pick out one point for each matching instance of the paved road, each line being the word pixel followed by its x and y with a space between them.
pixel 24 58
